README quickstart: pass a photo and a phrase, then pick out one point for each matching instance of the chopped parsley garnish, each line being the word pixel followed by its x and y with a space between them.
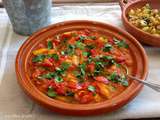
pixel 49 45
pixel 110 60
pixel 80 74
pixel 96 72
pixel 107 47
pixel 51 93
pixel 58 79
pixel 125 83
pixel 38 58
pixel 77 74
pixel 118 65
pixel 91 88
pixel 90 46
pixel 81 38
pixel 55 75
pixel 65 65
pixel 99 64
pixel 63 53
pixel 120 43
pixel 80 45
pixel 70 49
pixel 90 59
pixel 114 77
pixel 47 76
pixel 82 68
pixel 92 37
pixel 86 54
pixel 54 56
pixel 98 68
pixel 107 57
pixel 59 71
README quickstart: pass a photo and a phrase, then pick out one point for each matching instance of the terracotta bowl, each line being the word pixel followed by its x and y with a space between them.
pixel 142 36
pixel 140 69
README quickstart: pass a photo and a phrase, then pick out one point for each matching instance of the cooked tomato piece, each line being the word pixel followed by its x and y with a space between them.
pixel 120 59
pixel 51 60
pixel 72 41
pixel 102 79
pixel 66 35
pixel 99 44
pixel 91 67
pixel 85 85
pixel 72 85
pixel 88 41
pixel 47 63
pixel 110 40
pixel 84 96
pixel 72 67
pixel 93 52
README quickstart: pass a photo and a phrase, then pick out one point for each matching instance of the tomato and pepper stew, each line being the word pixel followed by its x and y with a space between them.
pixel 81 66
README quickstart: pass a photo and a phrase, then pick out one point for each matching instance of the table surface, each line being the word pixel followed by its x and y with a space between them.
pixel 15 105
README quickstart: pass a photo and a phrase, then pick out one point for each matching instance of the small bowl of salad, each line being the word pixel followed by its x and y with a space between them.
pixel 141 18
pixel 77 67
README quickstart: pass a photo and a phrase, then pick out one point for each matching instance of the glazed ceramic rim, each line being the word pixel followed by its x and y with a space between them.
pixel 118 101
pixel 125 8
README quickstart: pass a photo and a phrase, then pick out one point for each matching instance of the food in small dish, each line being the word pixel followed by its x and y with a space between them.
pixel 146 18
pixel 81 66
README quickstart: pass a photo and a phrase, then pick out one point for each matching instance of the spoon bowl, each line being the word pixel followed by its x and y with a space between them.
pixel 154 86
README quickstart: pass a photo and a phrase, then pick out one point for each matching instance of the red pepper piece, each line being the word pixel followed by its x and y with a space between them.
pixel 120 59
pixel 47 63
pixel 93 52
pixel 102 79
pixel 91 67
pixel 84 96
pixel 72 85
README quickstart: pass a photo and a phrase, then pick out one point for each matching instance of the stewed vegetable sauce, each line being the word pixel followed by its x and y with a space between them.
pixel 81 66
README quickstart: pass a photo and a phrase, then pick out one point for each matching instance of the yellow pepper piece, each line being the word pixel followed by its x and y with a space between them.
pixel 68 61
pixel 40 51
pixel 97 98
pixel 51 51
pixel 104 90
pixel 44 50
pixel 71 77
pixel 67 33
pixel 81 60
pixel 75 59
pixel 103 39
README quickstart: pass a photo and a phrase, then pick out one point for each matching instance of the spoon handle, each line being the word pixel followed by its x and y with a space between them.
pixel 154 86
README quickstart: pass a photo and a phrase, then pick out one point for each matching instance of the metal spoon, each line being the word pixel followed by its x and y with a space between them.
pixel 154 86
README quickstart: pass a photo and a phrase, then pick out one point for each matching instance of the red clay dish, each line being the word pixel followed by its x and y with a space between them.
pixel 142 36
pixel 140 69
